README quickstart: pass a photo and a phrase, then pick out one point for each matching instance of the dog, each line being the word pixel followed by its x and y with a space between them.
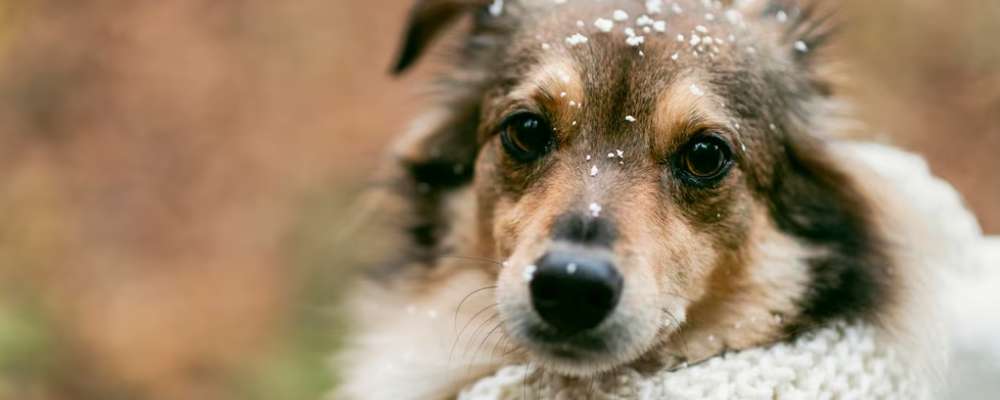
pixel 612 183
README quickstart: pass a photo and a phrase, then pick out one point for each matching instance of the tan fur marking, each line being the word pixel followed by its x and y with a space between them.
pixel 685 107
pixel 751 293
pixel 556 87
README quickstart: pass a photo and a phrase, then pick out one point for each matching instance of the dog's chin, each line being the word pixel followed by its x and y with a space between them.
pixel 583 354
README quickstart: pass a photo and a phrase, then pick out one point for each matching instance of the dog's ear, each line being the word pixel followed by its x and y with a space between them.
pixel 804 25
pixel 804 29
pixel 809 26
pixel 427 19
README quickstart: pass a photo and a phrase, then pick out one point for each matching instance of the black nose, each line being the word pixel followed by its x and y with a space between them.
pixel 575 291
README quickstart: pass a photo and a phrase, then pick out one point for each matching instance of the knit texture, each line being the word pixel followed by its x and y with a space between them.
pixel 843 361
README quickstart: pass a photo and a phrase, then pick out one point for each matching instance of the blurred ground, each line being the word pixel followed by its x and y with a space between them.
pixel 172 175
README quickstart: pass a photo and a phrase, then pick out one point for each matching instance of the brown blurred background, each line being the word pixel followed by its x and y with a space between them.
pixel 173 175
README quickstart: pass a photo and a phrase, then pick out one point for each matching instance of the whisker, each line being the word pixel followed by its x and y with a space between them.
pixel 476 333
pixel 676 322
pixel 503 339
pixel 472 361
pixel 458 336
pixel 483 342
pixel 513 347
pixel 464 299
pixel 671 316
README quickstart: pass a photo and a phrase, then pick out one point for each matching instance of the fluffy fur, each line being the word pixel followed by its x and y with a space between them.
pixel 787 241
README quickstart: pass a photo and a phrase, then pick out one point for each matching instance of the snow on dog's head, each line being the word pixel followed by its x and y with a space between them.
pixel 653 172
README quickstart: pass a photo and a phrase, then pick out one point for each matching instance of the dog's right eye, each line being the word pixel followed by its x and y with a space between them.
pixel 526 136
pixel 705 160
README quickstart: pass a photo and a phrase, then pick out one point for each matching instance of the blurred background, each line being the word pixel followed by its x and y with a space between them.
pixel 174 175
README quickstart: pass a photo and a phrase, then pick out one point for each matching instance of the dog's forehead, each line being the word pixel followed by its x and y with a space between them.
pixel 640 62
pixel 562 23
pixel 645 43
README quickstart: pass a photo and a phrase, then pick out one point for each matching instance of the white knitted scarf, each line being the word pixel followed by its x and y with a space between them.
pixel 843 361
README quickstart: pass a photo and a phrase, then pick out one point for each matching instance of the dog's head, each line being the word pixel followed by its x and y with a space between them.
pixel 651 172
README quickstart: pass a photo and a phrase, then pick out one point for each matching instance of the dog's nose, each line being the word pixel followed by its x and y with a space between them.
pixel 575 291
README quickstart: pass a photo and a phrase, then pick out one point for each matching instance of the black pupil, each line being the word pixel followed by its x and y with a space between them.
pixel 531 135
pixel 705 159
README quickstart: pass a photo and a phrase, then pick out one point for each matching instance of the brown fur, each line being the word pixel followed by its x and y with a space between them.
pixel 785 242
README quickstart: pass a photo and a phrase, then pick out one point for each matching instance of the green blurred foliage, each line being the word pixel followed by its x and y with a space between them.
pixel 26 348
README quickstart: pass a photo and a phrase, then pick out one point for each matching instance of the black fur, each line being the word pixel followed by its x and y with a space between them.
pixel 812 200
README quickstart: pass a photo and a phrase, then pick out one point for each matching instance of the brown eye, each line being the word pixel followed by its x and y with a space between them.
pixel 706 158
pixel 526 136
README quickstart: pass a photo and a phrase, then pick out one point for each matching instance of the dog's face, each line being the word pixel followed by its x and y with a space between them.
pixel 619 182
pixel 643 170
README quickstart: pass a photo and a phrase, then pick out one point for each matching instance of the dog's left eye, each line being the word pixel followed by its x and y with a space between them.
pixel 706 158
pixel 526 136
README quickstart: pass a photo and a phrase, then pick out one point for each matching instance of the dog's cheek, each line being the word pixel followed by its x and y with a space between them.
pixel 661 252
pixel 511 224
pixel 489 205
pixel 506 228
pixel 721 216
pixel 682 258
pixel 706 207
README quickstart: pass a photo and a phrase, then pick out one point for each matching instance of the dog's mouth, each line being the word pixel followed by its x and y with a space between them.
pixel 573 353
pixel 571 311
pixel 579 353
pixel 583 346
